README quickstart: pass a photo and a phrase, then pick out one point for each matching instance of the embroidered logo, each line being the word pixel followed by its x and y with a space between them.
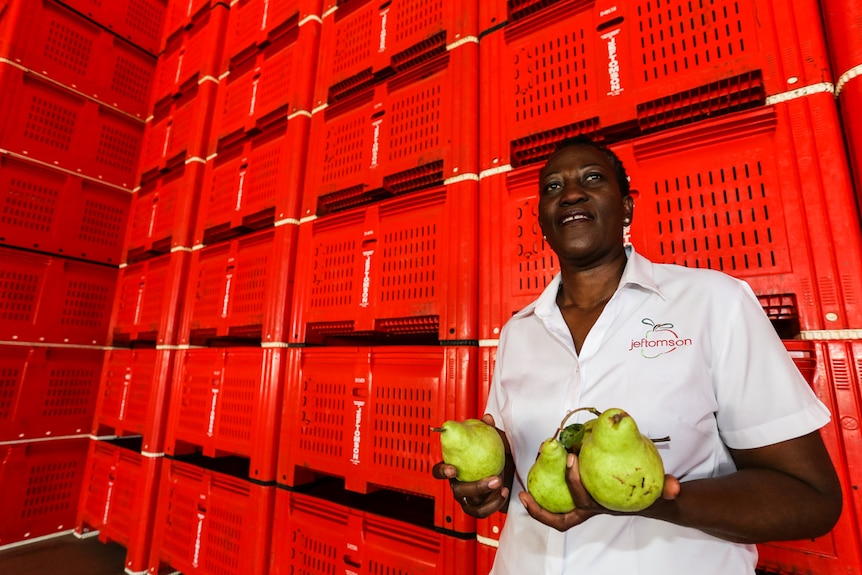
pixel 659 340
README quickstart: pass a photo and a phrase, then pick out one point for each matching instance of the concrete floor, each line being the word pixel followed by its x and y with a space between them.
pixel 64 555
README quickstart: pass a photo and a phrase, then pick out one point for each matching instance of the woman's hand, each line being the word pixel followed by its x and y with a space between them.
pixel 585 505
pixel 484 497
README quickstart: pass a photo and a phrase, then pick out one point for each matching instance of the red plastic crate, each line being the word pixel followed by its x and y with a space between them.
pixel 181 14
pixel 254 183
pixel 365 415
pixel 51 124
pixel 416 130
pixel 192 54
pixel 228 401
pixel 178 132
pixel 764 195
pixel 850 107
pixel 149 302
pixel 836 377
pixel 256 23
pixel 241 288
pixel 58 212
pixel 485 554
pixel 49 299
pixel 843 33
pixel 139 21
pixel 312 535
pixel 210 523
pixel 133 398
pixel 49 39
pixel 47 392
pixel 400 267
pixel 40 484
pixel 266 86
pixel 364 41
pixel 118 500
pixel 572 66
pixel 163 212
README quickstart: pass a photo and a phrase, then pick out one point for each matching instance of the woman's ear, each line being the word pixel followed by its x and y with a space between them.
pixel 628 208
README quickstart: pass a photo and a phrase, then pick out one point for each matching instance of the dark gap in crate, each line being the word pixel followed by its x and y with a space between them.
pixel 352 85
pixel 233 465
pixel 538 147
pixel 237 336
pixel 419 52
pixel 520 9
pixel 783 312
pixel 416 330
pixel 250 223
pixel 400 506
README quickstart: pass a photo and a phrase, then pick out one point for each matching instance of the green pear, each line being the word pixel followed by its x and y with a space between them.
pixel 620 467
pixel 546 480
pixel 473 447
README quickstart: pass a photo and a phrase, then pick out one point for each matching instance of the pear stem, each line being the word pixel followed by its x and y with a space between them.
pixel 592 410
pixel 438 429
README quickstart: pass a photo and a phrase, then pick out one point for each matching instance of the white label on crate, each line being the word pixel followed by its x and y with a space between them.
pixel 375 144
pixel 265 14
pixel 211 425
pixel 126 383
pixel 239 191
pixel 226 299
pixel 613 63
pixel 152 225
pixel 253 103
pixel 366 279
pixel 108 503
pixel 197 554
pixel 139 304
pixel 357 431
pixel 382 45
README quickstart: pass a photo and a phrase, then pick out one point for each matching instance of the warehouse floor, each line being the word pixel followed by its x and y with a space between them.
pixel 66 555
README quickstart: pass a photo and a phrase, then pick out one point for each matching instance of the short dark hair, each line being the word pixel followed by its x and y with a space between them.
pixel 616 163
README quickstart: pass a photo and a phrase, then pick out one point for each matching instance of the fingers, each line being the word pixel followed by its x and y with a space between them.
pixel 444 471
pixel 671 487
pixel 489 419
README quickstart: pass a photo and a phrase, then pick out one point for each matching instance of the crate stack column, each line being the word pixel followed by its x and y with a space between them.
pixel 382 342
pixel 774 205
pixel 75 96
pixel 226 395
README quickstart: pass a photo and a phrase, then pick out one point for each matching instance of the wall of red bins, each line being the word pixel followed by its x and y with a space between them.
pixel 250 252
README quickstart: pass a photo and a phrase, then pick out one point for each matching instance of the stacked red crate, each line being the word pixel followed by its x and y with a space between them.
pixel 162 212
pixel 49 39
pixel 415 130
pixel 47 391
pixel 364 415
pixel 134 392
pixel 58 127
pixel 844 41
pixel 337 537
pixel 763 195
pixel 567 67
pixel 834 370
pixel 40 485
pixel 260 133
pixel 227 401
pixel 210 522
pixel 52 300
pixel 400 267
pixel 141 22
pixel 118 499
pixel 240 289
pixel 54 211
pixel 149 300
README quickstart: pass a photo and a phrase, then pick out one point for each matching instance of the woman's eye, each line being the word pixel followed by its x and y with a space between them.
pixel 551 186
pixel 593 176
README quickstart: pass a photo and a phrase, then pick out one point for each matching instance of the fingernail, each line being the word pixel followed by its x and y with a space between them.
pixel 494 483
pixel 570 460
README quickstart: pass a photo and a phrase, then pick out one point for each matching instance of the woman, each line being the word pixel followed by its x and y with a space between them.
pixel 689 354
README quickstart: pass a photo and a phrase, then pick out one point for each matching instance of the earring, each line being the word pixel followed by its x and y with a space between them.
pixel 627 221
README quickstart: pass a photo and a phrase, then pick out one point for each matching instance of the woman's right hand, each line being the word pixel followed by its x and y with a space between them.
pixel 478 498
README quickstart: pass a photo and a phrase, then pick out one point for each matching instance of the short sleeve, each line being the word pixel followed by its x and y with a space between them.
pixel 763 398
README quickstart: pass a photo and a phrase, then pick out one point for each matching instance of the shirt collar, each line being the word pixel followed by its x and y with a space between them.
pixel 638 273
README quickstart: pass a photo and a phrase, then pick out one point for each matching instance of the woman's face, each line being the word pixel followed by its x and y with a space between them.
pixel 581 209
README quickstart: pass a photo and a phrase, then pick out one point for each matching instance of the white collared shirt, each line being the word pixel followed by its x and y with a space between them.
pixel 690 354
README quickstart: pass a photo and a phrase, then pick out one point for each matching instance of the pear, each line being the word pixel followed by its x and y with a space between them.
pixel 620 467
pixel 546 480
pixel 473 447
